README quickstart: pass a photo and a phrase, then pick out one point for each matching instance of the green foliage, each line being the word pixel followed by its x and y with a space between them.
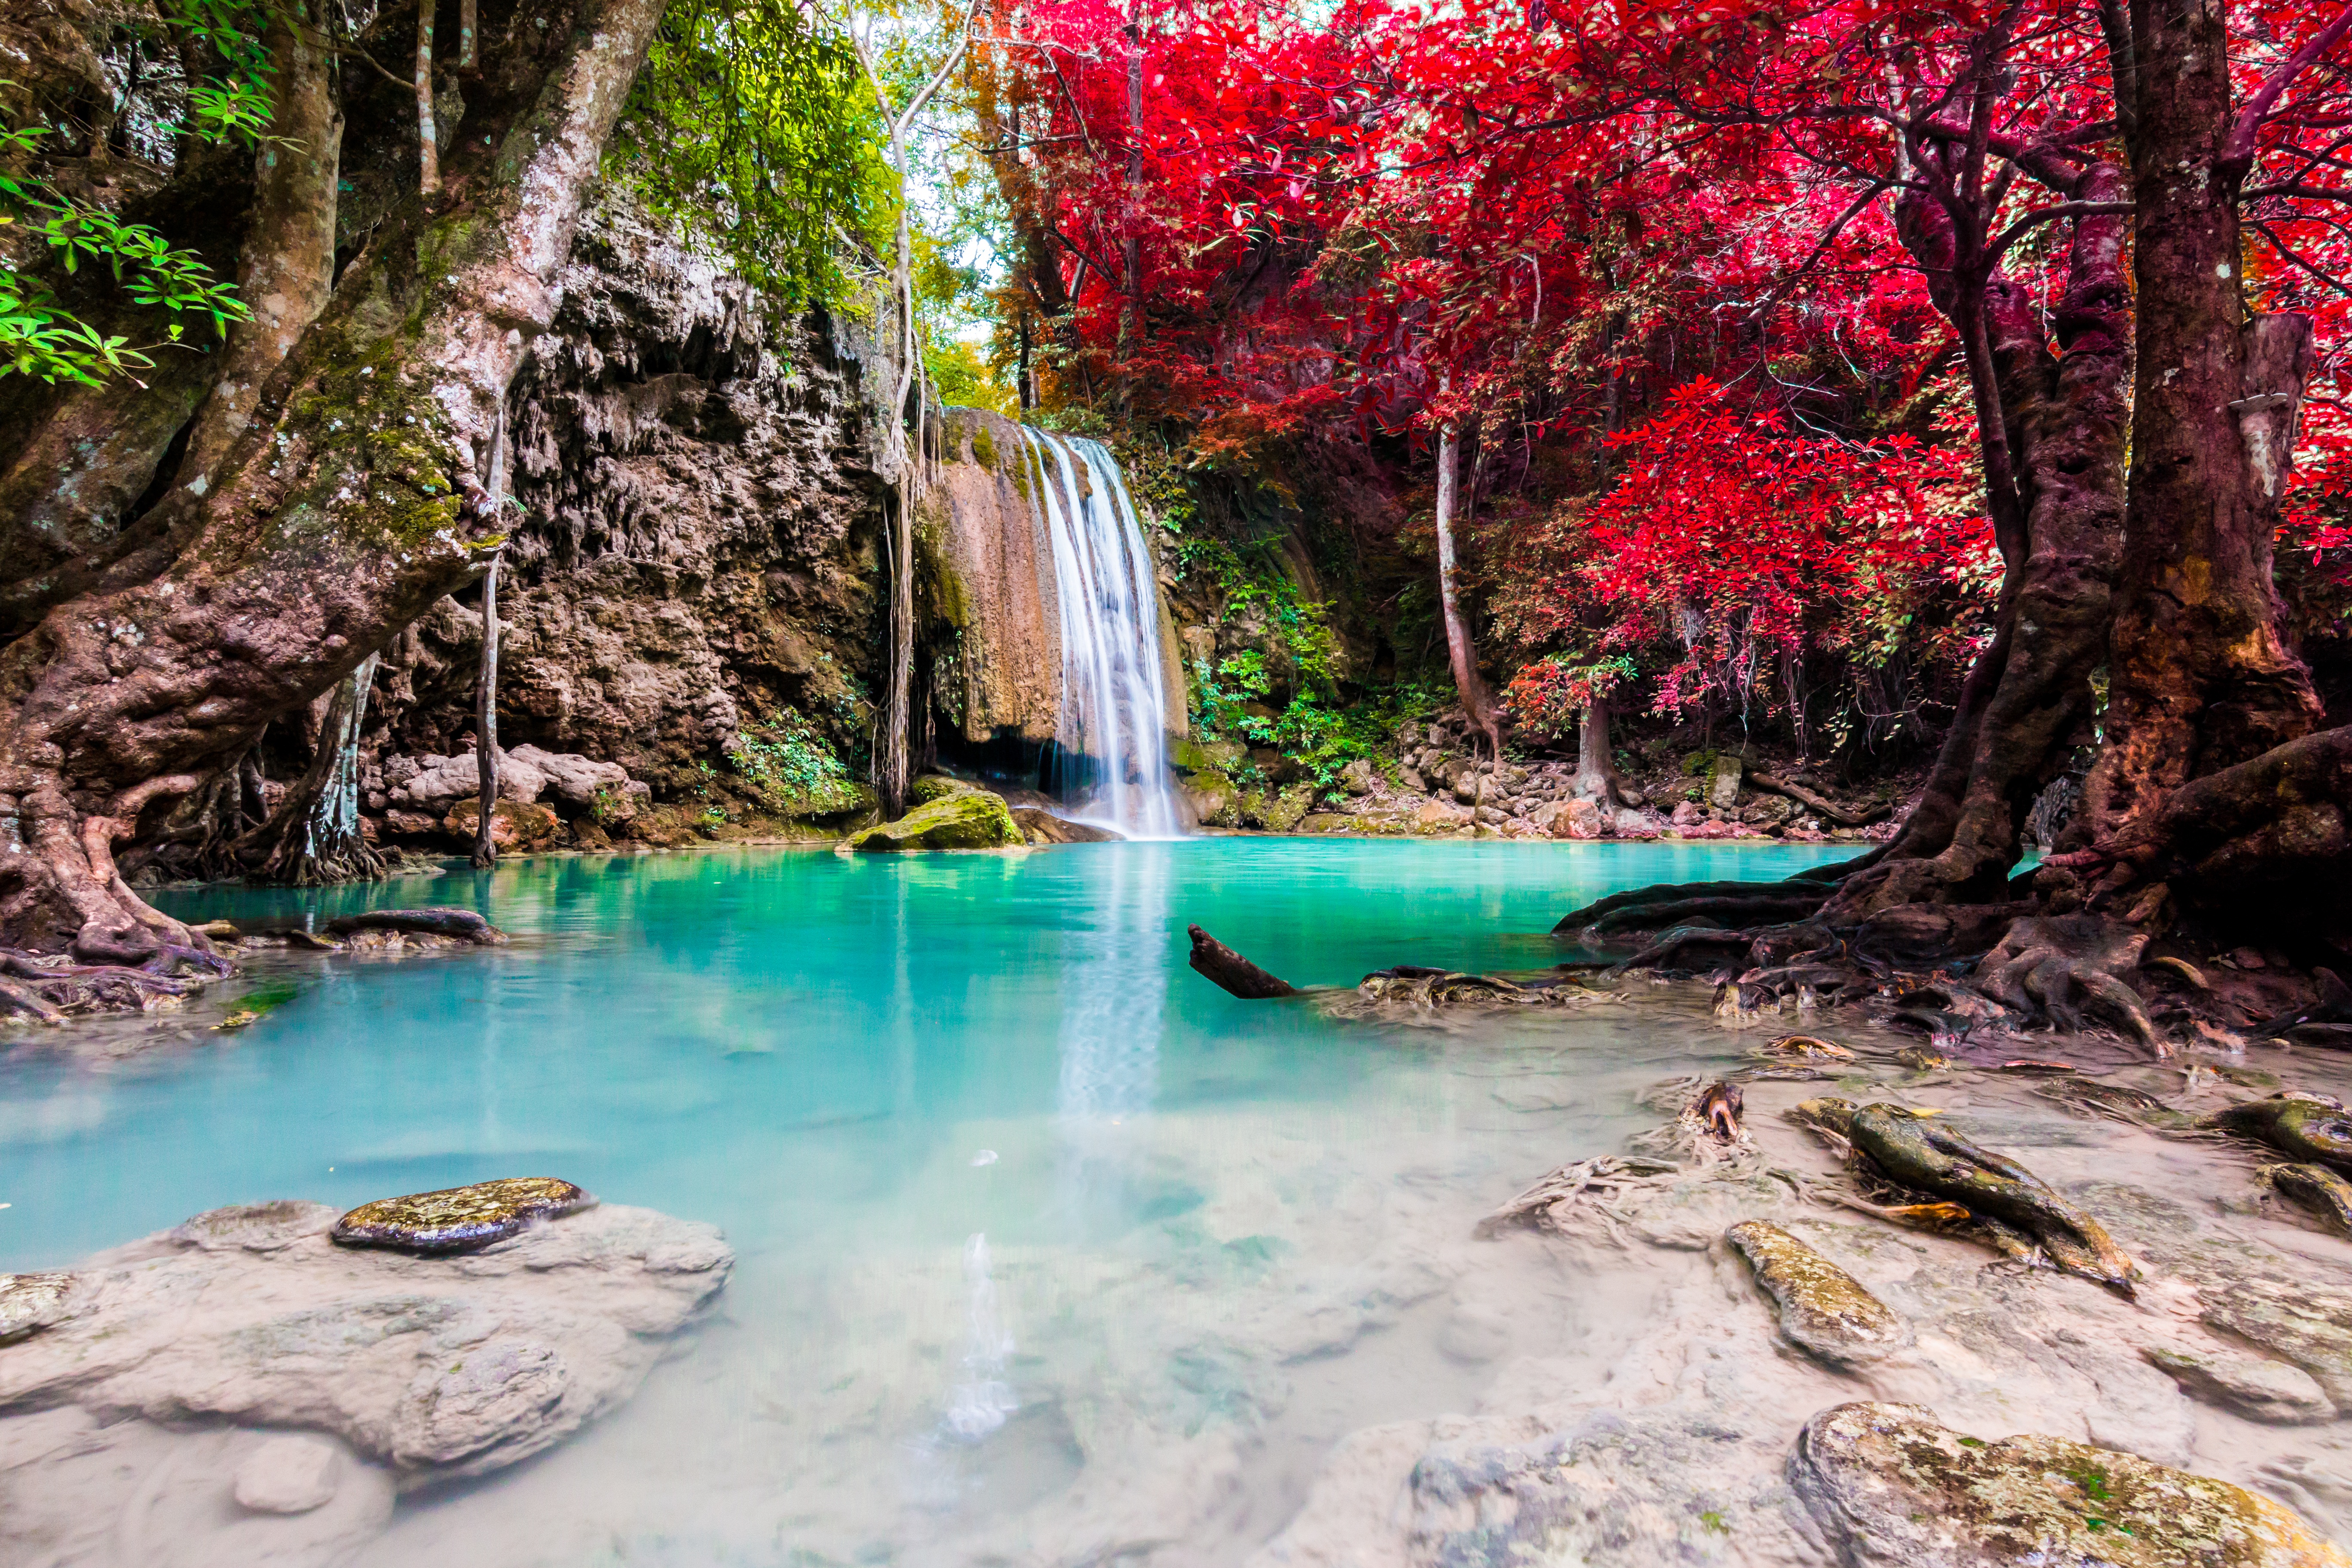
pixel 789 765
pixel 961 377
pixel 754 124
pixel 1321 739
pixel 1302 625
pixel 38 336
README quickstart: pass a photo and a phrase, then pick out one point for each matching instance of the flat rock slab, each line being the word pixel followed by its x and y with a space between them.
pixel 459 1219
pixel 2255 1387
pixel 431 1367
pixel 1891 1486
pixel 1824 1311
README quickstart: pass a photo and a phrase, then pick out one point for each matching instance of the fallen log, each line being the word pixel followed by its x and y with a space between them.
pixel 1235 973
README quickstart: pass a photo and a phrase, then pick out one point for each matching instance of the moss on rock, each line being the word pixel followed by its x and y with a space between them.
pixel 1824 1311
pixel 958 818
pixel 1893 1488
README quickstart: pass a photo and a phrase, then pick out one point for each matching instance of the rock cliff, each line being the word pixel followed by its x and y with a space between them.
pixel 693 560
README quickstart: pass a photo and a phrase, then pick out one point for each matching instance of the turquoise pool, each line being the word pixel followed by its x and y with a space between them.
pixel 1026 1212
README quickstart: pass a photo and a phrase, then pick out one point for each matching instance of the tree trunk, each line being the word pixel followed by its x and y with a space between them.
pixel 1459 649
pixel 285 271
pixel 314 836
pixel 428 135
pixel 2061 422
pixel 2202 677
pixel 486 721
pixel 893 763
pixel 349 505
pixel 1596 771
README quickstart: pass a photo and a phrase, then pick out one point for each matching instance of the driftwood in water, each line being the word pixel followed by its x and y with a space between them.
pixel 1232 971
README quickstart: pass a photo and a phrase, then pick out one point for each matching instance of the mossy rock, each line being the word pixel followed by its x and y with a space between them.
pixel 964 818
pixel 1277 812
pixel 1893 1488
pixel 1207 757
pixel 1216 798
pixel 937 786
pixel 831 797
pixel 459 1219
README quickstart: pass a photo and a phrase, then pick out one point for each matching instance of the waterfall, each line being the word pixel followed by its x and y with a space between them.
pixel 1114 694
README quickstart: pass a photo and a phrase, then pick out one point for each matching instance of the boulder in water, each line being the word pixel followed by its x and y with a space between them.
pixel 1824 1311
pixel 967 819
pixel 1893 1488
pixel 1043 826
pixel 459 1219
pixel 31 1302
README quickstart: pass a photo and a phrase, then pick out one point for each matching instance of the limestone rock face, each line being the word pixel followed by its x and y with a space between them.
pixel 965 819
pixel 459 1219
pixel 514 824
pixel 696 549
pixel 1824 1310
pixel 1892 1487
pixel 425 1368
pixel 991 585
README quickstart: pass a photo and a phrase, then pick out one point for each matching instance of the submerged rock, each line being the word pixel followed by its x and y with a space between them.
pixel 430 1368
pixel 459 1219
pixel 2254 1387
pixel 961 819
pixel 31 1302
pixel 1824 1311
pixel 1893 1488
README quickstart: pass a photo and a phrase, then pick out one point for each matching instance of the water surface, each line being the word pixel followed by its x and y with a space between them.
pixel 1042 1238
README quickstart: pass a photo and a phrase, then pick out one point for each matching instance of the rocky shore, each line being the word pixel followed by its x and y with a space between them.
pixel 257 1384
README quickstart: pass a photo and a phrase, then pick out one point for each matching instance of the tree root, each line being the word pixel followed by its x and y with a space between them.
pixel 2042 965
pixel 1821 805
pixel 439 920
pixel 1671 901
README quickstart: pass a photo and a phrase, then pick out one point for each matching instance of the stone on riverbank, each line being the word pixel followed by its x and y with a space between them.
pixel 1824 1311
pixel 1893 1488
pixel 459 1219
pixel 429 1368
pixel 959 819
pixel 515 825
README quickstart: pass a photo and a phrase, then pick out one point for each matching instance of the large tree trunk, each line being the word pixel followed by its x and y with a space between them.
pixel 1596 771
pixel 285 271
pixel 349 505
pixel 2063 422
pixel 1460 650
pixel 2202 676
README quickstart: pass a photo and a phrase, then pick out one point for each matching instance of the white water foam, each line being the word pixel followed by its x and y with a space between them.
pixel 1114 694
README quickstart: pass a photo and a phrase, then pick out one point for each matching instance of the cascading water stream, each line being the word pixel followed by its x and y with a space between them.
pixel 1114 696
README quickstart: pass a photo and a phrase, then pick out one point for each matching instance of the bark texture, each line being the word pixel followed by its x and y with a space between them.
pixel 2061 424
pixel 1459 649
pixel 2202 676
pixel 352 502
